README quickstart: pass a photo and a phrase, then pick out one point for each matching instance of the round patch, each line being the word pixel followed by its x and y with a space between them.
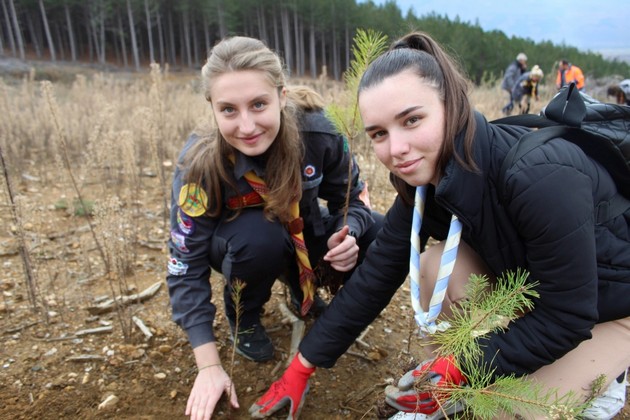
pixel 309 171
pixel 185 223
pixel 192 200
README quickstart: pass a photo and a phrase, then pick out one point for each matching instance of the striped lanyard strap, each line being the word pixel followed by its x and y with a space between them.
pixel 427 320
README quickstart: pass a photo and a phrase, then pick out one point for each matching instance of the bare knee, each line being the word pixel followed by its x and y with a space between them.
pixel 468 262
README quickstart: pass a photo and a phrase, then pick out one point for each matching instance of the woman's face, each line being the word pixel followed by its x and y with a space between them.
pixel 247 108
pixel 404 117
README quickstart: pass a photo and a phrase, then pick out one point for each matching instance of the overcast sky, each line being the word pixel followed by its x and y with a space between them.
pixel 597 25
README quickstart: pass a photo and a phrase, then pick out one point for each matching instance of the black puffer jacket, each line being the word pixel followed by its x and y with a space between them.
pixel 546 227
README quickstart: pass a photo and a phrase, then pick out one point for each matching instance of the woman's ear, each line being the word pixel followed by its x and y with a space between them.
pixel 283 97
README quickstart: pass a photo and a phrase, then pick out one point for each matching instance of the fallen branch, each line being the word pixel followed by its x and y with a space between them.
pixel 297 330
pixel 84 358
pixel 146 331
pixel 98 330
pixel 152 245
pixel 360 341
pixel 110 304
pixel 359 355
pixel 20 327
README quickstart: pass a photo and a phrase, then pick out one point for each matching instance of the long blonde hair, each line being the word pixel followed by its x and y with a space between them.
pixel 207 162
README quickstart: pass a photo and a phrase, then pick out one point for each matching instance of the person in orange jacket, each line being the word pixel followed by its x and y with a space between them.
pixel 567 73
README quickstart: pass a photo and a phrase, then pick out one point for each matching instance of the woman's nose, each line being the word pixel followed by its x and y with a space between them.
pixel 246 123
pixel 398 145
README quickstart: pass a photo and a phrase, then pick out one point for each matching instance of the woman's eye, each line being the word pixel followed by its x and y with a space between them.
pixel 259 105
pixel 412 120
pixel 375 135
pixel 227 110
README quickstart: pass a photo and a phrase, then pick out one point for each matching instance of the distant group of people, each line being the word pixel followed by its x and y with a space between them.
pixel 521 85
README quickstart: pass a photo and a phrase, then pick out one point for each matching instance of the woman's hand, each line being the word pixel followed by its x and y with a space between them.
pixel 343 250
pixel 210 384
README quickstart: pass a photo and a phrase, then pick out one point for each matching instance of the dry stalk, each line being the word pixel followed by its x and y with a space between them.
pixel 63 150
pixel 110 214
pixel 158 127
pixel 17 221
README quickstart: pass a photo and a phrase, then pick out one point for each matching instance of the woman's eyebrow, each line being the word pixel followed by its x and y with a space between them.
pixel 398 116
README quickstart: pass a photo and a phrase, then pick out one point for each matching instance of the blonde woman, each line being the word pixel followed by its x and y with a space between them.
pixel 246 204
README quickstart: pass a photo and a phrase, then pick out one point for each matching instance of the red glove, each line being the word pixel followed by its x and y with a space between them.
pixel 442 372
pixel 290 388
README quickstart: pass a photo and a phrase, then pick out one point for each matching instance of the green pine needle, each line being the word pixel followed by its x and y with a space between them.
pixel 344 113
pixel 491 309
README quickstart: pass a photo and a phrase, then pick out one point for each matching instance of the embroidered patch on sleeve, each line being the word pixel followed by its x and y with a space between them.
pixel 309 171
pixel 176 267
pixel 193 200
pixel 185 223
pixel 179 241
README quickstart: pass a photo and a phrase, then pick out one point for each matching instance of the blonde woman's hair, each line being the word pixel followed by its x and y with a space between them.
pixel 207 162
pixel 305 98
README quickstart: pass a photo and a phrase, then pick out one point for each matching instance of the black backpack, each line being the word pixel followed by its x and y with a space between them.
pixel 601 130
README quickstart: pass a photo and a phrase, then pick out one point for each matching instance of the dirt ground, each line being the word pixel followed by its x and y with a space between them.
pixel 65 361
pixel 55 364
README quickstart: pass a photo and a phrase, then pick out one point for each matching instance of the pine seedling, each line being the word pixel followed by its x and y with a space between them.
pixel 344 113
pixel 237 287
pixel 488 310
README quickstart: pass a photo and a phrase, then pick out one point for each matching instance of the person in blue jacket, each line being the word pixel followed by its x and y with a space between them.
pixel 246 203
pixel 513 72
pixel 542 216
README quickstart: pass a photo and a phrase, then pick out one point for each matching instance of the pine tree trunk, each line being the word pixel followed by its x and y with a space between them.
pixel 35 36
pixel 18 31
pixel 221 17
pixel 149 31
pixel 101 57
pixel 312 49
pixel 286 37
pixel 51 44
pixel 160 38
pixel 73 46
pixel 298 49
pixel 9 28
pixel 195 42
pixel 171 38
pixel 262 24
pixel 121 35
pixel 134 44
pixel 276 32
pixel 186 37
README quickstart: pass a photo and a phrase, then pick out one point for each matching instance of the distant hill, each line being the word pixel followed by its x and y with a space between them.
pixel 621 54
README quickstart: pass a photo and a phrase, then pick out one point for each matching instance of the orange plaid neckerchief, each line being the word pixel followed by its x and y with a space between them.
pixel 307 277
